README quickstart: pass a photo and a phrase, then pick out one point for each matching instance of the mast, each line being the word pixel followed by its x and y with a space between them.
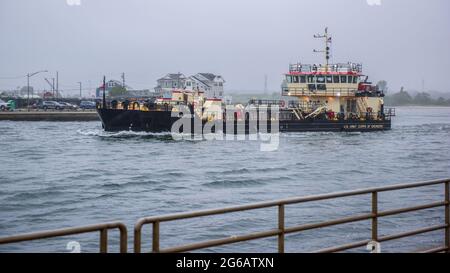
pixel 104 92
pixel 327 39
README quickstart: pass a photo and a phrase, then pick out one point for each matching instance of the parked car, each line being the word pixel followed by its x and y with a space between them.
pixel 4 106
pixel 12 105
pixel 87 105
pixel 68 105
pixel 51 105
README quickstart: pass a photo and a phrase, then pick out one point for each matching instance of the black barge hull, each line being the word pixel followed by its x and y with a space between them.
pixel 162 121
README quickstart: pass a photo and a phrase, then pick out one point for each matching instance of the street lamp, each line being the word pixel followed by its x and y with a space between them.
pixel 29 75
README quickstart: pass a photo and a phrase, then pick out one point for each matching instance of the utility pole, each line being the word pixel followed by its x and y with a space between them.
pixel 80 90
pixel 53 87
pixel 28 92
pixel 123 79
pixel 57 84
pixel 265 83
pixel 29 75
pixel 104 93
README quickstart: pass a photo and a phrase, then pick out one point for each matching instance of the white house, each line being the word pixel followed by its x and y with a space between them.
pixel 209 83
pixel 171 81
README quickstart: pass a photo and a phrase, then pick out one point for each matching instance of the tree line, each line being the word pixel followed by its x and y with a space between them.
pixel 422 98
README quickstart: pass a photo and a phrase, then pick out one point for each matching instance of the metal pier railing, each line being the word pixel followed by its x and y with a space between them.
pixel 101 228
pixel 280 231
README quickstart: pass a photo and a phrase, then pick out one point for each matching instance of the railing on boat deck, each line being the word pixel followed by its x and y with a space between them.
pixel 339 67
pixel 329 92
pixel 389 112
pixel 282 229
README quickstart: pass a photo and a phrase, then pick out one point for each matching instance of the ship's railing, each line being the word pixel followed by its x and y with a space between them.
pixel 329 92
pixel 389 112
pixel 289 104
pixel 281 229
pixel 364 116
pixel 102 228
pixel 305 105
pixel 266 102
pixel 339 67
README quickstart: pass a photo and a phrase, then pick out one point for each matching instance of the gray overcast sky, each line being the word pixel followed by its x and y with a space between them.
pixel 402 41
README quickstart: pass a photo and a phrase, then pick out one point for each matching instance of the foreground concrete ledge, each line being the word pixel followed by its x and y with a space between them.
pixel 49 116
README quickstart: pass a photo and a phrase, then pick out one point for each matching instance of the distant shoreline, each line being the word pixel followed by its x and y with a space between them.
pixel 416 105
pixel 49 116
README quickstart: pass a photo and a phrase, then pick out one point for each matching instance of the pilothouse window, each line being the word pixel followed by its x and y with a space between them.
pixel 311 79
pixel 312 87
pixel 289 79
pixel 295 79
pixel 329 79
pixel 343 79
pixel 321 87
pixel 302 79
pixel 320 79
pixel 336 79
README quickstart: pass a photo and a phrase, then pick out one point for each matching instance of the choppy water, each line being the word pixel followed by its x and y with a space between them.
pixel 55 175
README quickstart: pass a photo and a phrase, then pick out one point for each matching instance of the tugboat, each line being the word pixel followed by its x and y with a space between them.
pixel 328 97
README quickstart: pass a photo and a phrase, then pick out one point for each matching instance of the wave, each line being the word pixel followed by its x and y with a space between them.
pixel 121 134
pixel 246 170
pixel 127 184
pixel 271 169
pixel 234 183
pixel 34 194
pixel 445 127
pixel 426 127
pixel 225 172
pixel 188 137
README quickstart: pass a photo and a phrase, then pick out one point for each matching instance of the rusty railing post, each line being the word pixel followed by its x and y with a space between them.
pixel 104 240
pixel 281 229
pixel 447 216
pixel 375 216
pixel 123 239
pixel 155 245
pixel 137 237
